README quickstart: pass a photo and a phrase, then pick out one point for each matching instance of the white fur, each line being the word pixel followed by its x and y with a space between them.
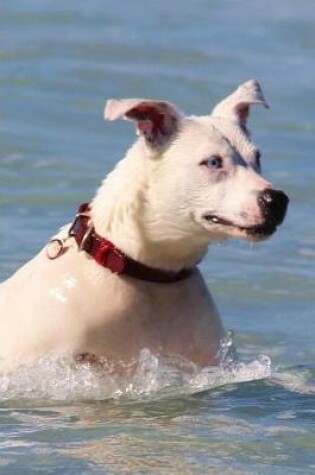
pixel 152 207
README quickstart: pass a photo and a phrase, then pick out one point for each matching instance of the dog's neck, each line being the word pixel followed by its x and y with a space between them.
pixel 118 215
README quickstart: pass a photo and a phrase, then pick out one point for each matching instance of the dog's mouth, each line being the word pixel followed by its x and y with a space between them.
pixel 255 233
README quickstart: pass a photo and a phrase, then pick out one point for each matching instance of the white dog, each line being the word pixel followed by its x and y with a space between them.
pixel 123 276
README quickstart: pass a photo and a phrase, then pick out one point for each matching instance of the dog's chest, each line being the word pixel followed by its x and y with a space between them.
pixel 79 307
pixel 167 319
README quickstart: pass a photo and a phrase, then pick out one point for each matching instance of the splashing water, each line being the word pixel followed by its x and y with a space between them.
pixel 61 378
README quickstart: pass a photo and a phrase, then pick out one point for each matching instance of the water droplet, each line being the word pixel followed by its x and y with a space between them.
pixel 227 354
pixel 264 360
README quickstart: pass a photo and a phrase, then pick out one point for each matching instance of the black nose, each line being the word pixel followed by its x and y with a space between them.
pixel 273 204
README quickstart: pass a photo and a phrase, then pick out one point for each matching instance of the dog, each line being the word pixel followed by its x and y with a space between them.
pixel 123 275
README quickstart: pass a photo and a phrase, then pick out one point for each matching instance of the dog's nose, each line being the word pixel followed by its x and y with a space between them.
pixel 273 204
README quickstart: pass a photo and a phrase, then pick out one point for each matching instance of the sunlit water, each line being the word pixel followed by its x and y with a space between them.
pixel 59 62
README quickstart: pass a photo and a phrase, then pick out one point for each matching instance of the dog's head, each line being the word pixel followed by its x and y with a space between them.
pixel 204 178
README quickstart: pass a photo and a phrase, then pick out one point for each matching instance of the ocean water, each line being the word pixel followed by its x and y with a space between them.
pixel 59 62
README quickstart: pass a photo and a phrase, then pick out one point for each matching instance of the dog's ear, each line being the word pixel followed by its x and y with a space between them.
pixel 236 106
pixel 157 121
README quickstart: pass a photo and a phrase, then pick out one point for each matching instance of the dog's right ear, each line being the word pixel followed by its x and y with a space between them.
pixel 157 121
pixel 236 106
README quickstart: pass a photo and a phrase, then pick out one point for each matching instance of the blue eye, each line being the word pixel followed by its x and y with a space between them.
pixel 213 162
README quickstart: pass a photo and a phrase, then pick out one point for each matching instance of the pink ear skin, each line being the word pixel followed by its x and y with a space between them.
pixel 236 106
pixel 157 121
pixel 150 122
pixel 243 114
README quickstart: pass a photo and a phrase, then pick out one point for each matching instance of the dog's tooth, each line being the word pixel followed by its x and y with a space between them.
pixel 214 219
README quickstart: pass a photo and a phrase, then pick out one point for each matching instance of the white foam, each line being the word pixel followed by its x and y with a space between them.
pixel 298 381
pixel 60 378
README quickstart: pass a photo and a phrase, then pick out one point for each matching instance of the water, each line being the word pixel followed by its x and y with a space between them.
pixel 59 62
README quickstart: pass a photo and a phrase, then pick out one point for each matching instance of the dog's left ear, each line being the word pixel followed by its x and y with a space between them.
pixel 157 121
pixel 236 106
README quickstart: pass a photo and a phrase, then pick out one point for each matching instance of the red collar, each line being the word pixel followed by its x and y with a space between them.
pixel 107 255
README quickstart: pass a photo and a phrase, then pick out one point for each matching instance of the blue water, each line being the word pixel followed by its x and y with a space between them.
pixel 59 62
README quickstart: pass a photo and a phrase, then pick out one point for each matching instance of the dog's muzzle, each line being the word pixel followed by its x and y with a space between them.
pixel 273 205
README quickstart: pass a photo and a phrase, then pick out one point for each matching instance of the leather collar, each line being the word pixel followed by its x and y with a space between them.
pixel 108 255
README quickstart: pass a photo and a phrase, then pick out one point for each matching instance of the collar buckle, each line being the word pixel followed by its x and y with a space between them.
pixel 85 237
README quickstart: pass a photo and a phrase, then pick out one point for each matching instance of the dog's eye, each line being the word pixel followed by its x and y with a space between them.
pixel 213 162
pixel 257 159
